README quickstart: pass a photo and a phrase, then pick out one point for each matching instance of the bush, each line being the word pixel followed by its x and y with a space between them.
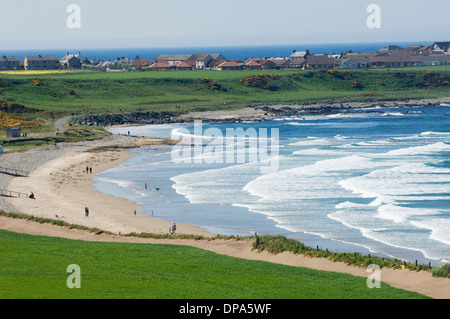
pixel 441 271
pixel 357 85
pixel 342 75
pixel 434 80
pixel 260 81
pixel 213 85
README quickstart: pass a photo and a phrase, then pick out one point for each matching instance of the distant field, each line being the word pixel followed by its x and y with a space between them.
pixel 36 267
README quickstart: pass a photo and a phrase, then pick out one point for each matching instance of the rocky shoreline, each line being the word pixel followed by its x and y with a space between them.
pixel 258 112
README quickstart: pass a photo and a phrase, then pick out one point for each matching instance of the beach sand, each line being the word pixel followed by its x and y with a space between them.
pixel 63 188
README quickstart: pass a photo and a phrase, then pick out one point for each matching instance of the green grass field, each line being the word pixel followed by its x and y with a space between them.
pixel 102 92
pixel 36 267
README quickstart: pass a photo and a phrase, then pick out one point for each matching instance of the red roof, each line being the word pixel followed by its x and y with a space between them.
pixel 160 65
pixel 141 62
pixel 252 63
pixel 229 64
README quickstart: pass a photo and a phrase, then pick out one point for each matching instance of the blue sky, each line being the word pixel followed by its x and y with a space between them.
pixel 41 24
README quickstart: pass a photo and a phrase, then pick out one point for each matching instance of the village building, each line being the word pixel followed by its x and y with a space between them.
pixel 39 62
pixel 186 65
pixel 71 61
pixel 435 59
pixel 280 63
pixel 174 58
pixel 122 61
pixel 321 61
pixel 9 63
pixel 395 60
pixel 267 64
pixel 299 55
pixel 12 132
pixel 159 65
pixel 141 64
pixel 229 65
pixel 202 61
pixel 355 60
pixel 443 47
pixel 252 64
pixel 390 49
pixel 297 64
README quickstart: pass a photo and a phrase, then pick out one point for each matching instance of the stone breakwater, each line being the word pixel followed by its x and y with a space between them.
pixel 143 118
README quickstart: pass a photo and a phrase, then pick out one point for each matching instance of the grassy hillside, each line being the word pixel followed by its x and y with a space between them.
pixel 36 267
pixel 75 92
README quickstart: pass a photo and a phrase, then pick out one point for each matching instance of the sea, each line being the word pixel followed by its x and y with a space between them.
pixel 229 52
pixel 374 181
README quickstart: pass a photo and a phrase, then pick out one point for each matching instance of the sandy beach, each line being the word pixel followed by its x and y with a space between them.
pixel 63 189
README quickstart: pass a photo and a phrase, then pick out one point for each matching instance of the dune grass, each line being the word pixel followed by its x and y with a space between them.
pixel 36 267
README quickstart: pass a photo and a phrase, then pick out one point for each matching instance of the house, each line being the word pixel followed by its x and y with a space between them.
pixel 229 65
pixel 202 61
pixel 321 61
pixel 12 132
pixel 297 64
pixel 142 64
pixel 390 49
pixel 159 65
pixel 252 64
pixel 267 64
pixel 39 62
pixel 298 55
pixel 280 63
pixel 71 61
pixel 435 59
pixel 9 63
pixel 174 58
pixel 186 65
pixel 123 61
pixel 355 60
pixel 441 47
pixel 395 59
pixel 105 64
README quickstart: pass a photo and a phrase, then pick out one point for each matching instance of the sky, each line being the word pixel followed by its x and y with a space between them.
pixel 42 24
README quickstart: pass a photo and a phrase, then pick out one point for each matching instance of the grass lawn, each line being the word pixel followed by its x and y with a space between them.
pixel 36 267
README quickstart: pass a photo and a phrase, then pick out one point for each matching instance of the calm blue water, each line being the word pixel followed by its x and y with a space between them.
pixel 230 52
pixel 376 182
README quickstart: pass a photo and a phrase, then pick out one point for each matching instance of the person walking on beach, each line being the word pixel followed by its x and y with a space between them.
pixel 174 228
pixel 86 212
pixel 90 169
pixel 87 169
pixel 135 212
